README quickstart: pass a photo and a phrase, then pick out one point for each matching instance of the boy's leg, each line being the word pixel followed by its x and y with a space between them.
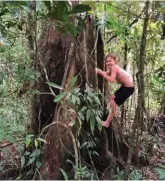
pixel 120 97
pixel 112 111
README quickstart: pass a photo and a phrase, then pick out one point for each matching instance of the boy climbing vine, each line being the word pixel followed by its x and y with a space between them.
pixel 114 72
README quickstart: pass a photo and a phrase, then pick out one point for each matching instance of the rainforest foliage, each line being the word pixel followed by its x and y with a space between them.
pixel 134 31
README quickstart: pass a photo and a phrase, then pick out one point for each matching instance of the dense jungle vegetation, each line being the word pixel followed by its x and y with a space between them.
pixel 52 102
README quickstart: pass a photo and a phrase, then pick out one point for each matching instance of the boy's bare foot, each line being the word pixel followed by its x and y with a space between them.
pixel 105 124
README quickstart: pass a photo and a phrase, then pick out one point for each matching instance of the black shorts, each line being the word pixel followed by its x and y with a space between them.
pixel 122 94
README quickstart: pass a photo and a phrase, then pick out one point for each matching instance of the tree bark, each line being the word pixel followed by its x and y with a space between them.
pixel 140 74
pixel 53 51
pixel 138 120
pixel 61 139
pixel 100 57
pixel 59 59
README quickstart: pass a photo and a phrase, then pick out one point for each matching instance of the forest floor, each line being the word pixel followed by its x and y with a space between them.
pixel 10 158
pixel 156 158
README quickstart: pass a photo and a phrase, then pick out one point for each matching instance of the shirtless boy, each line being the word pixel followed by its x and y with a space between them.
pixel 114 72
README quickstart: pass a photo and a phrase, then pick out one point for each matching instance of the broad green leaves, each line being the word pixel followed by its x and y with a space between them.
pixel 10 17
pixel 60 96
pixel 80 8
pixel 157 83
pixel 133 175
pixel 59 11
pixel 72 82
pixel 29 158
pixel 161 171
pixel 64 174
pixel 62 11
pixel 70 29
pixel 54 85
pixel 30 139
pixel 87 106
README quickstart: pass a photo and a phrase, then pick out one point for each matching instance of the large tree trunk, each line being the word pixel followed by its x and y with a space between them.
pixel 59 59
pixel 55 53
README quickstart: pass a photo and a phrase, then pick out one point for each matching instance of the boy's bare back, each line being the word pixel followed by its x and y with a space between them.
pixel 123 77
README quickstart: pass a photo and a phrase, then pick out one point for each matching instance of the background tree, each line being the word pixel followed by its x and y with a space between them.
pixel 48 85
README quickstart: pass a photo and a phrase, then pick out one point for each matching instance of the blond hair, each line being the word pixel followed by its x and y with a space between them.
pixel 112 56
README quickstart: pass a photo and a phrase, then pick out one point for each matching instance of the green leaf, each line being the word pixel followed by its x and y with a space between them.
pixel 28 141
pixel 99 123
pixel 40 14
pixel 35 153
pixel 161 172
pixel 70 29
pixel 60 11
pixel 90 100
pixel 38 164
pixel 80 8
pixel 83 108
pixel 59 97
pixel 36 143
pixel 31 161
pixel 4 11
pixel 92 124
pixel 27 153
pixel 55 85
pixel 36 92
pixel 84 145
pixel 153 26
pixel 95 153
pixel 26 8
pixel 22 161
pixel 76 90
pixel 64 174
pixel 88 114
pixel 47 4
pixel 29 135
pixel 97 100
pixel 68 95
pixel 72 82
pixel 80 121
pixel 84 168
pixel 81 115
pixel 98 119
pixel 2 135
pixel 73 99
pixel 11 139
pixel 78 100
pixel 81 24
pixel 42 140
pixel 1 168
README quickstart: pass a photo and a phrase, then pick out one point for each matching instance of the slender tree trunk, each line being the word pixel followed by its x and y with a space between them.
pixel 140 74
pixel 162 108
pixel 138 120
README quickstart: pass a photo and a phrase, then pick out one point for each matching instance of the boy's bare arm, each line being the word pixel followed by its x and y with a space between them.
pixel 110 78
